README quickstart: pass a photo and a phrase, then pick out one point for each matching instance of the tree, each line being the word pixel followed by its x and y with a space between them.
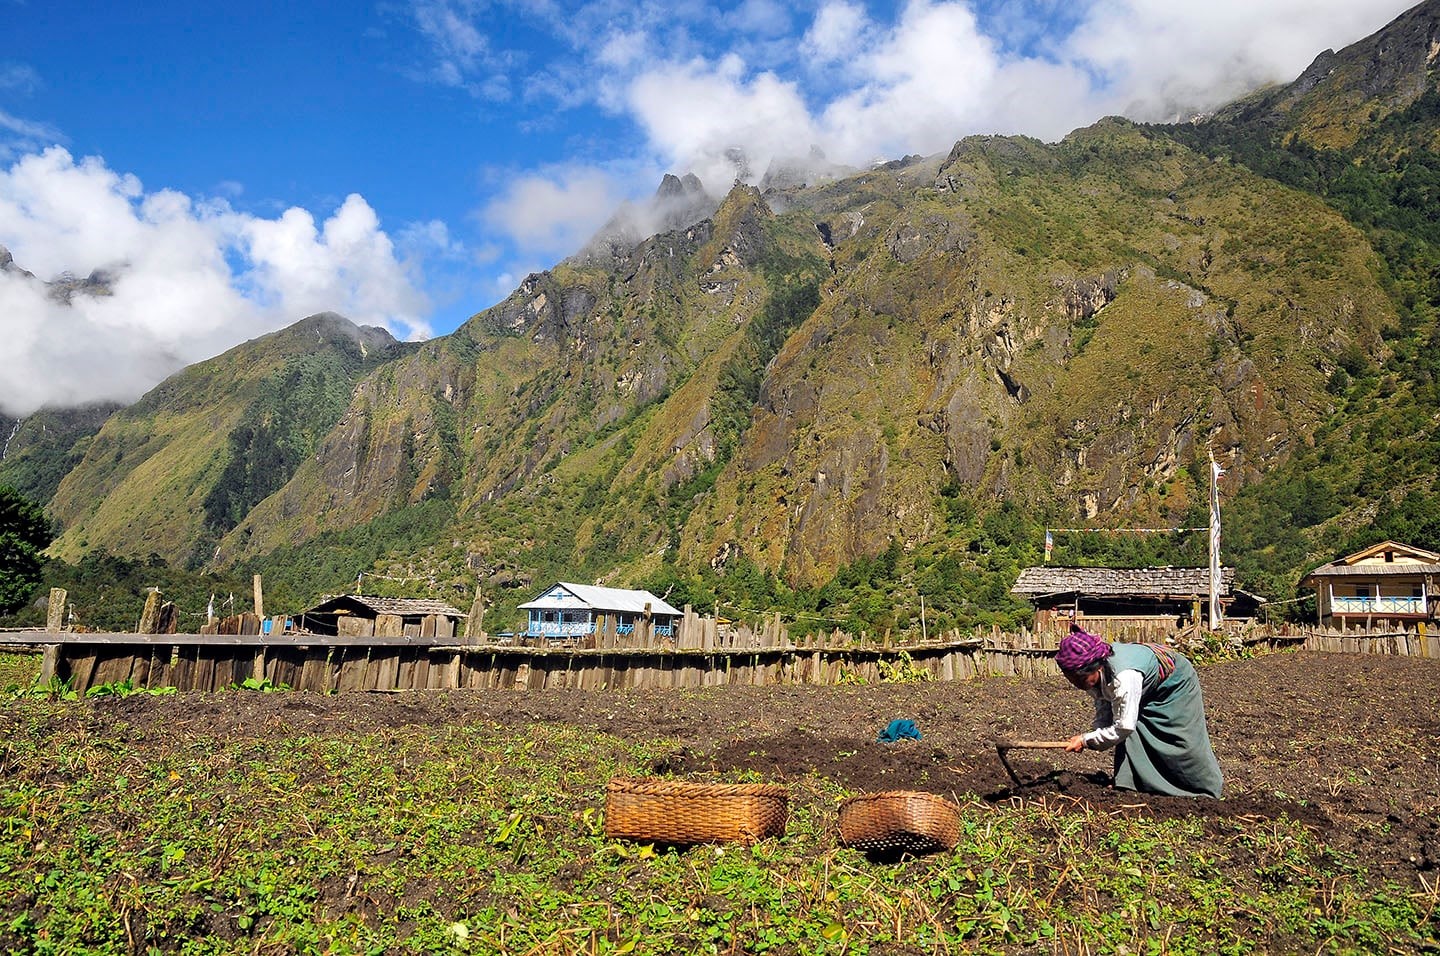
pixel 24 533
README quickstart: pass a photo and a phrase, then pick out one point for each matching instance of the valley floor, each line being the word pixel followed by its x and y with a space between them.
pixel 1342 751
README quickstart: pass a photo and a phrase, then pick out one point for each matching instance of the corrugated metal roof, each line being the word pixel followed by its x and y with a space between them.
pixel 1120 582
pixel 403 607
pixel 598 598
pixel 1339 569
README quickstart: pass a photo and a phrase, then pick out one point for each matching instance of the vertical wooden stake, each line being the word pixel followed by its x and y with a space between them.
pixel 475 623
pixel 55 611
pixel 49 660
pixel 150 617
pixel 259 599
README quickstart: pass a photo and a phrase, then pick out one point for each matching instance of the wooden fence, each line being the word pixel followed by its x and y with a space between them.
pixel 206 662
pixel 209 662
pixel 1419 641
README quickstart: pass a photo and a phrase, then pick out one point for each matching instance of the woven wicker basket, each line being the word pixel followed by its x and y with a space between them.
pixel 899 821
pixel 669 811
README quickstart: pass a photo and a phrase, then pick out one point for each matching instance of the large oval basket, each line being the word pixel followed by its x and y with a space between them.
pixel 672 811
pixel 899 821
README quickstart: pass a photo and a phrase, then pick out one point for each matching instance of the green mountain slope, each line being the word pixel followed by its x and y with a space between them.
pixel 171 473
pixel 1069 327
pixel 37 451
pixel 1360 129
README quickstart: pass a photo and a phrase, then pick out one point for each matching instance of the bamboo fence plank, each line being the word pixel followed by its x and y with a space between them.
pixel 387 668
pixel 222 670
pixel 161 667
pixel 405 672
pixel 182 672
pixel 202 675
pixel 140 669
pixel 289 663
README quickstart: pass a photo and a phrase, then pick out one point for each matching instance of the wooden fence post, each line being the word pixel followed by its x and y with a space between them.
pixel 55 611
pixel 150 617
pixel 475 623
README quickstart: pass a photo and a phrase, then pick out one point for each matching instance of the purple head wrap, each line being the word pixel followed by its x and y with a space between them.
pixel 1079 649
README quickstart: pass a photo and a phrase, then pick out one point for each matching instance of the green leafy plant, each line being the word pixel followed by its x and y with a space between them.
pixel 263 684
pixel 902 670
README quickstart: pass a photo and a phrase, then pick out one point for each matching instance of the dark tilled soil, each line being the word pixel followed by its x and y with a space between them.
pixel 1347 744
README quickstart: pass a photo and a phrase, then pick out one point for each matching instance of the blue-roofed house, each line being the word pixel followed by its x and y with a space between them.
pixel 570 612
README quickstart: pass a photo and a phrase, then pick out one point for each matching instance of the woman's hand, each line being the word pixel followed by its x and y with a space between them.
pixel 1075 744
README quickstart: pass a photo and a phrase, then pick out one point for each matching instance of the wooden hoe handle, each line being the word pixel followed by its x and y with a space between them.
pixel 1031 744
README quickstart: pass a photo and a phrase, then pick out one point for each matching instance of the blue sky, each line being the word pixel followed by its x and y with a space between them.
pixel 407 162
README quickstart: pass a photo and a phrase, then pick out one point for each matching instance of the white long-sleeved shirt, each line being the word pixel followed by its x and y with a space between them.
pixel 1117 709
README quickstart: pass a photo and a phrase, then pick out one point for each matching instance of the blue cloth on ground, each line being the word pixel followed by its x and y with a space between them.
pixel 899 730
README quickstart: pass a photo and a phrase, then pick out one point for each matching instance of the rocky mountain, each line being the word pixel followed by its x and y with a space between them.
pixel 172 473
pixel 890 379
pixel 1342 97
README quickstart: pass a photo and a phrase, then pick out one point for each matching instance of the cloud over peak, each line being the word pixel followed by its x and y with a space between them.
pixel 182 279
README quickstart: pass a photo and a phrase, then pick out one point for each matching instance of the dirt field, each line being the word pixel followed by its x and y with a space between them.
pixel 1349 745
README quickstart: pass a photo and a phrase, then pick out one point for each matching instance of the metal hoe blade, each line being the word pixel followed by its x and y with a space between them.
pixel 1004 762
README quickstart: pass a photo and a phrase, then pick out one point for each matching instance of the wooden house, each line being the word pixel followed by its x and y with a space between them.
pixel 1159 598
pixel 351 615
pixel 572 612
pixel 1386 583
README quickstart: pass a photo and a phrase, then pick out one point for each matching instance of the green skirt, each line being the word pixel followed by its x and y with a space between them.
pixel 1169 752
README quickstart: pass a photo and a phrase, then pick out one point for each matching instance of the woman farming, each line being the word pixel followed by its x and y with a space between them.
pixel 1148 706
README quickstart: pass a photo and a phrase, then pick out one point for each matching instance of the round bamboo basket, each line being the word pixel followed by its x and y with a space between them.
pixel 900 821
pixel 672 811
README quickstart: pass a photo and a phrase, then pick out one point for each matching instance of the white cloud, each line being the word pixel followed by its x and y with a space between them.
pixel 693 113
pixel 922 82
pixel 553 212
pixel 836 33
pixel 19 136
pixel 762 17
pixel 452 31
pixel 186 279
pixel 933 75
pixel 860 81
pixel 18 77
pixel 1161 60
pixel 622 49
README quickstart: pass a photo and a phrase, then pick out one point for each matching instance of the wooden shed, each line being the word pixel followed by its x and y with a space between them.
pixel 1388 582
pixel 1163 598
pixel 351 615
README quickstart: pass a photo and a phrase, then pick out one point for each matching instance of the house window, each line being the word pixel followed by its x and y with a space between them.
pixel 1361 591
pixel 1389 557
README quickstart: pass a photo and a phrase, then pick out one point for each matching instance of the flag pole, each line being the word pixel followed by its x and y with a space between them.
pixel 1215 472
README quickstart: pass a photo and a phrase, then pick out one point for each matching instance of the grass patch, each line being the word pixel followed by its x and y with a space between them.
pixel 18 670
pixel 489 838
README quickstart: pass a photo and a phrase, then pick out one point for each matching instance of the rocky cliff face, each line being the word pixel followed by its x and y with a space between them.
pixel 1074 326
